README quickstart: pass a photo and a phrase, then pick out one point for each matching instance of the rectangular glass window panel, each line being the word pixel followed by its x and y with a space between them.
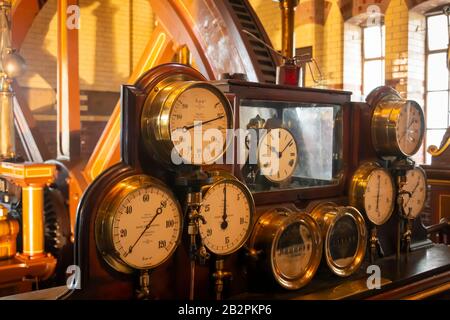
pixel 374 42
pixel 437 75
pixel 434 137
pixel 437 32
pixel 437 110
pixel 373 75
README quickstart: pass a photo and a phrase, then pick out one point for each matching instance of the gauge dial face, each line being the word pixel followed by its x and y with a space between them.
pixel 146 227
pixel 416 188
pixel 379 196
pixel 343 241
pixel 228 210
pixel 198 122
pixel 293 250
pixel 277 155
pixel 409 128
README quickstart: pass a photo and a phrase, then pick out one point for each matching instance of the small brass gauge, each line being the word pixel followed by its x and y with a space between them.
pixel 186 122
pixel 277 155
pixel 345 237
pixel 291 243
pixel 372 191
pixel 416 192
pixel 398 127
pixel 228 208
pixel 139 224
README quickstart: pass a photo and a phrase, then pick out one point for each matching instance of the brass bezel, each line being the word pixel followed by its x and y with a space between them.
pixel 383 127
pixel 105 217
pixel 358 184
pixel 155 119
pixel 327 214
pixel 259 148
pixel 222 177
pixel 266 234
pixel 422 171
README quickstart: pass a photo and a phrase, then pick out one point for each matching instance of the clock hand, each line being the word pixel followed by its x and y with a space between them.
pixel 224 223
pixel 158 212
pixel 186 128
pixel 287 146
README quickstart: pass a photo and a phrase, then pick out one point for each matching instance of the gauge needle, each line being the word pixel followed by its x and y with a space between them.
pixel 378 192
pixel 158 212
pixel 200 123
pixel 224 223
pixel 407 129
pixel 412 193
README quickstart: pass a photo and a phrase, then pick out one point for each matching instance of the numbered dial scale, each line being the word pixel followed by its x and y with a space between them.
pixel 277 155
pixel 398 128
pixel 186 122
pixel 228 208
pixel 372 190
pixel 291 246
pixel 138 225
pixel 416 192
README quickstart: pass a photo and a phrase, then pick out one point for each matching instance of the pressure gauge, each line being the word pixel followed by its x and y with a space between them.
pixel 398 128
pixel 277 155
pixel 291 247
pixel 138 225
pixel 415 195
pixel 186 122
pixel 345 237
pixel 372 190
pixel 228 209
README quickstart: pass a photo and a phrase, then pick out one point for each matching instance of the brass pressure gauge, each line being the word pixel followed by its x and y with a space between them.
pixel 415 192
pixel 345 237
pixel 372 190
pixel 186 121
pixel 398 127
pixel 291 244
pixel 138 225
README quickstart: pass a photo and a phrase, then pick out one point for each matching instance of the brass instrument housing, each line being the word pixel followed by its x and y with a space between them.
pixel 267 233
pixel 327 214
pixel 155 126
pixel 358 187
pixel 384 122
pixel 106 215
pixel 9 228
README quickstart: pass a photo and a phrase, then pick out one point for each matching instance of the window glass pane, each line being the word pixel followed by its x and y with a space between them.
pixel 434 137
pixel 437 109
pixel 437 32
pixel 373 42
pixel 437 77
pixel 373 75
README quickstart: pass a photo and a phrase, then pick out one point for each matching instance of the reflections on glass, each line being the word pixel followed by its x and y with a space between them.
pixel 317 131
pixel 343 241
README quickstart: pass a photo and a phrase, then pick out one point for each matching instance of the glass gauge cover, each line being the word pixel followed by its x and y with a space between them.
pixel 416 193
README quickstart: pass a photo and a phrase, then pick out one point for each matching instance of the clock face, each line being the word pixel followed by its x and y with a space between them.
pixel 409 128
pixel 228 210
pixel 195 108
pixel 277 155
pixel 416 188
pixel 379 196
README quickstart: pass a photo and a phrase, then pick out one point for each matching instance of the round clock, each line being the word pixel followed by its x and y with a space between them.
pixel 416 187
pixel 398 128
pixel 186 122
pixel 138 225
pixel 372 190
pixel 291 246
pixel 345 237
pixel 228 209
pixel 277 155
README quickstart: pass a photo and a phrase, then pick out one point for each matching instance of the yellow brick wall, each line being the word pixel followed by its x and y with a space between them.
pixel 107 48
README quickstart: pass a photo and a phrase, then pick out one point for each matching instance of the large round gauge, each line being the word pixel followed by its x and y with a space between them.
pixel 138 225
pixel 372 190
pixel 228 209
pixel 416 192
pixel 186 122
pixel 398 128
pixel 345 237
pixel 291 246
pixel 277 155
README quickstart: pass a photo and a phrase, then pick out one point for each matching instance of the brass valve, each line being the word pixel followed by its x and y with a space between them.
pixel 9 229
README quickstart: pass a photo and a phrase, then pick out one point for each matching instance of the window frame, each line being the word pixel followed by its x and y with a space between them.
pixel 381 58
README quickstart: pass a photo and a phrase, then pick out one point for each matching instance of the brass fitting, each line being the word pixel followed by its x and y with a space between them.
pixel 9 229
